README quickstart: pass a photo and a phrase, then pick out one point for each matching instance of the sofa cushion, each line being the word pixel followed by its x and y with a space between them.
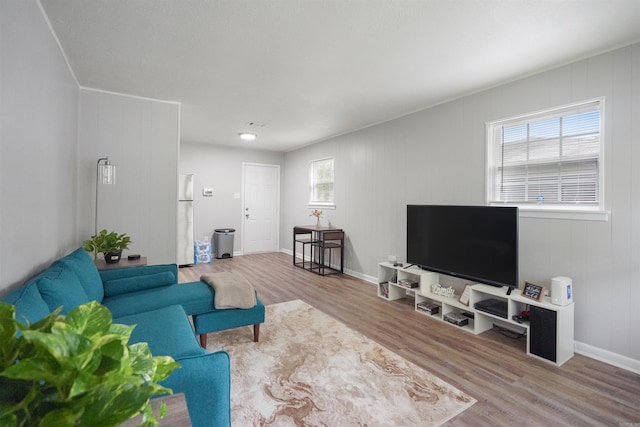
pixel 59 286
pixel 30 307
pixel 121 273
pixel 166 330
pixel 205 381
pixel 219 320
pixel 138 283
pixel 85 269
pixel 194 297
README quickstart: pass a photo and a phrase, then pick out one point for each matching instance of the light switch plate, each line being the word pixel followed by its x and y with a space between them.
pixel 207 192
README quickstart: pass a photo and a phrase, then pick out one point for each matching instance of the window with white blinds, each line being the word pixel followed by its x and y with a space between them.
pixel 321 182
pixel 550 159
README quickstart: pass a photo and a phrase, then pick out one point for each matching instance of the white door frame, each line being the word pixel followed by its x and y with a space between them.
pixel 242 209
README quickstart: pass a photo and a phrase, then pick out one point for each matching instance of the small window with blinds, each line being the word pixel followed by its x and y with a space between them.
pixel 550 159
pixel 321 182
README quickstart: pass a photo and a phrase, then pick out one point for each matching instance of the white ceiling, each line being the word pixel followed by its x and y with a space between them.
pixel 311 69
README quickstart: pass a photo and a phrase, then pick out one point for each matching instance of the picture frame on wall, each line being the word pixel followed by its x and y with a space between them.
pixel 533 291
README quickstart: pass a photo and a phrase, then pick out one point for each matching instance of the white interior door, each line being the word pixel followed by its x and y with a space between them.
pixel 260 207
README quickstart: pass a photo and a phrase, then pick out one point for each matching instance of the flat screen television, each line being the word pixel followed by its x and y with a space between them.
pixel 478 243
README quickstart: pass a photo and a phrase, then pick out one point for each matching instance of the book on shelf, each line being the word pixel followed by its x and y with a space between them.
pixel 407 283
pixel 428 307
pixel 384 289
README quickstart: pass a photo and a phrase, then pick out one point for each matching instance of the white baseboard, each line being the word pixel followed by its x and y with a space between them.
pixel 361 276
pixel 607 356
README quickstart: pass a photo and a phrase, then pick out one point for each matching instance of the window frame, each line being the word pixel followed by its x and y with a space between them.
pixel 312 184
pixel 560 210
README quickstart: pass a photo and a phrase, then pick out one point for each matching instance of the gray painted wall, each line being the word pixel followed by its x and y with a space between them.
pixel 38 125
pixel 141 137
pixel 51 135
pixel 437 156
pixel 220 168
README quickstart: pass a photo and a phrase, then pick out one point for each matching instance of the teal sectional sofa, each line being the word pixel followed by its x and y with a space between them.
pixel 150 298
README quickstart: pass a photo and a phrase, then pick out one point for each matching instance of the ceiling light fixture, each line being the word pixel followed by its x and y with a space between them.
pixel 247 136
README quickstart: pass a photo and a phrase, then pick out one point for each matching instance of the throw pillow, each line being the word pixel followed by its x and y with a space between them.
pixel 30 307
pixel 85 269
pixel 59 286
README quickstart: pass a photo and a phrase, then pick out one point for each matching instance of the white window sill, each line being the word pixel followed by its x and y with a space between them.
pixel 584 215
pixel 321 206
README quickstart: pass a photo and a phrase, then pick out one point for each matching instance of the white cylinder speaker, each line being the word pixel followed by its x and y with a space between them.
pixel 561 290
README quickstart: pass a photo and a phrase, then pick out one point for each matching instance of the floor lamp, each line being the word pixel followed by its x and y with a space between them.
pixel 105 174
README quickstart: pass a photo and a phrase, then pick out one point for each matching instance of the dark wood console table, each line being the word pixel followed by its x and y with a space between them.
pixel 319 240
pixel 101 264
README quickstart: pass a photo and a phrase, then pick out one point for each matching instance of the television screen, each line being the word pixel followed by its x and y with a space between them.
pixel 478 243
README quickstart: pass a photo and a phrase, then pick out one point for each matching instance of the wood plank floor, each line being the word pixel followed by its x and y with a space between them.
pixel 511 388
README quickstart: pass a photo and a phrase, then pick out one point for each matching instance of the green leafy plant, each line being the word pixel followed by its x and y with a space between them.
pixel 105 242
pixel 76 370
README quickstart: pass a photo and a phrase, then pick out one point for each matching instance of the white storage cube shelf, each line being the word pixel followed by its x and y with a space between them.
pixel 478 321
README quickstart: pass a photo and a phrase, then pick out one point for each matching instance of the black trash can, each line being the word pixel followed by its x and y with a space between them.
pixel 223 242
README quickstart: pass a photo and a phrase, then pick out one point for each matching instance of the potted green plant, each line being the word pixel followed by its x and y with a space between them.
pixel 76 370
pixel 111 244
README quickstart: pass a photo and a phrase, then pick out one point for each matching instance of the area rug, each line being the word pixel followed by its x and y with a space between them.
pixel 311 370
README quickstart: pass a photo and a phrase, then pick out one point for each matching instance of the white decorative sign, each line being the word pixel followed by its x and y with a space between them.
pixel 449 292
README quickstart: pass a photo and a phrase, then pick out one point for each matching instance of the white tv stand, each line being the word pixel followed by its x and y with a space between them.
pixel 549 332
